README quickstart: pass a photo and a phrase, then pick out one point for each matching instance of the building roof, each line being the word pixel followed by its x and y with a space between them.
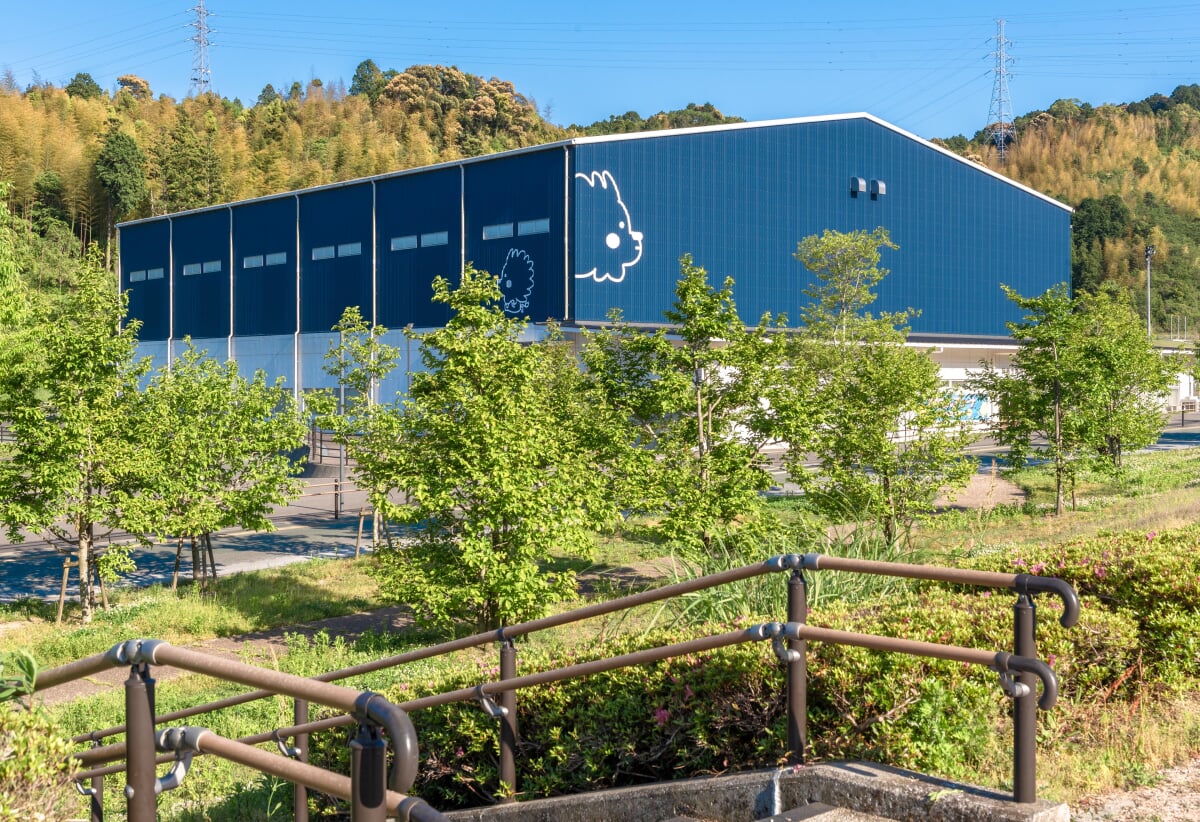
pixel 639 135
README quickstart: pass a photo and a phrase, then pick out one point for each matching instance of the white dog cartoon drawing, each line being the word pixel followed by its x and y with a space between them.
pixel 622 246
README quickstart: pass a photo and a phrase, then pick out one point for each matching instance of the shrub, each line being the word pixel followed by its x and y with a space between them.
pixel 1153 576
pixel 33 782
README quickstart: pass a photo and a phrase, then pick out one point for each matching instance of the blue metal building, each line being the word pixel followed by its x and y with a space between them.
pixel 576 228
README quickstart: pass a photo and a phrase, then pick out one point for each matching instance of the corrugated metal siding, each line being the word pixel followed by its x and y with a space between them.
pixel 147 247
pixel 201 301
pixel 264 268
pixel 525 194
pixel 739 201
pixel 334 218
pixel 416 210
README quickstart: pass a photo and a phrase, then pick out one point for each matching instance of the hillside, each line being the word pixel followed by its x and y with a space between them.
pixel 1132 172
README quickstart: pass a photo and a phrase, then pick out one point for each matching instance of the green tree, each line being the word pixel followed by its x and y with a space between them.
pixel 121 172
pixel 220 444
pixel 188 172
pixel 1122 380
pixel 887 435
pixel 369 81
pixel 73 404
pixel 84 87
pixel 698 403
pixel 1034 398
pixel 501 458
pixel 359 362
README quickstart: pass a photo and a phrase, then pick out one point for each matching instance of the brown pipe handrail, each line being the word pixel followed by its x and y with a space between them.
pixel 362 704
pixel 202 740
pixel 794 634
pixel 1021 583
pixel 998 661
pixel 475 640
pixel 783 562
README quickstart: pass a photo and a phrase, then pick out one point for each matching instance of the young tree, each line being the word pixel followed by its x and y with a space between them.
pixel 1085 380
pixel 1124 380
pixel 359 362
pixel 888 436
pixel 221 446
pixel 501 453
pixel 73 406
pixel 698 403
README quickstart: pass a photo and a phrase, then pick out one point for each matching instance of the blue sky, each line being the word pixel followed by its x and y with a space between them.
pixel 926 67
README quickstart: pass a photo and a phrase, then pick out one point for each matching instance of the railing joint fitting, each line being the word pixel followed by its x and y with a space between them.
pixel 494 711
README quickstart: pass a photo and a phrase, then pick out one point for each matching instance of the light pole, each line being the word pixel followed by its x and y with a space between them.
pixel 1149 254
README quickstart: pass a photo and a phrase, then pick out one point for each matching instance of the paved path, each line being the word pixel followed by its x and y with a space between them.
pixel 304 529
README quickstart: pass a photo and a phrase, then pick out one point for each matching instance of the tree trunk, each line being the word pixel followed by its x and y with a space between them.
pixel 178 554
pixel 196 563
pixel 86 595
pixel 212 561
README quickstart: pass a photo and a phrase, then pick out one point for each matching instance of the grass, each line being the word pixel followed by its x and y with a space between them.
pixel 239 604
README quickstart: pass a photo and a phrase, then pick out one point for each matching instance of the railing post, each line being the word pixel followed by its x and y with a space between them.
pixel 300 741
pixel 797 672
pixel 337 498
pixel 1025 707
pixel 508 723
pixel 140 749
pixel 368 776
pixel 96 797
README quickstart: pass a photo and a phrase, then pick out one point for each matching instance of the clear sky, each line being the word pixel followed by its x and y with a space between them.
pixel 927 67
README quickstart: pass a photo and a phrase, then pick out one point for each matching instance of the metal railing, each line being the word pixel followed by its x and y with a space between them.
pixel 1019 672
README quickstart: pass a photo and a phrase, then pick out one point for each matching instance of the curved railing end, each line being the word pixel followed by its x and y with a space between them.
pixel 1029 583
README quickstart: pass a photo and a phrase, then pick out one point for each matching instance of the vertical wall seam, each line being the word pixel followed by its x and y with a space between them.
pixel 170 292
pixel 229 351
pixel 297 386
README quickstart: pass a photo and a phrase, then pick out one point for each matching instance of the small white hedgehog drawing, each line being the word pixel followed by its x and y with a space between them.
pixel 516 281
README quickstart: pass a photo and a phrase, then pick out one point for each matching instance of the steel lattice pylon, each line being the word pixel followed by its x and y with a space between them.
pixel 1000 116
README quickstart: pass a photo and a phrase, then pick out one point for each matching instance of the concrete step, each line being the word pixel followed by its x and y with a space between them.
pixel 815 811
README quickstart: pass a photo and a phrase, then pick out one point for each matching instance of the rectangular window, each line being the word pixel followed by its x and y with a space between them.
pixel 211 266
pixel 498 231
pixel 252 262
pixel 278 258
pixel 541 226
pixel 349 249
pixel 435 238
pixel 325 252
pixel 191 268
pixel 137 276
pixel 404 243
pixel 154 274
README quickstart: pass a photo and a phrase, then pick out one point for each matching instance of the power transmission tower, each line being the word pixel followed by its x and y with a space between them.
pixel 201 73
pixel 1000 117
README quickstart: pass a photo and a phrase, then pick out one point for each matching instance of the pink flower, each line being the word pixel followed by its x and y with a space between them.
pixel 1101 572
pixel 1050 660
pixel 459 753
pixel 687 692
pixel 1151 535
pixel 1038 568
pixel 661 715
